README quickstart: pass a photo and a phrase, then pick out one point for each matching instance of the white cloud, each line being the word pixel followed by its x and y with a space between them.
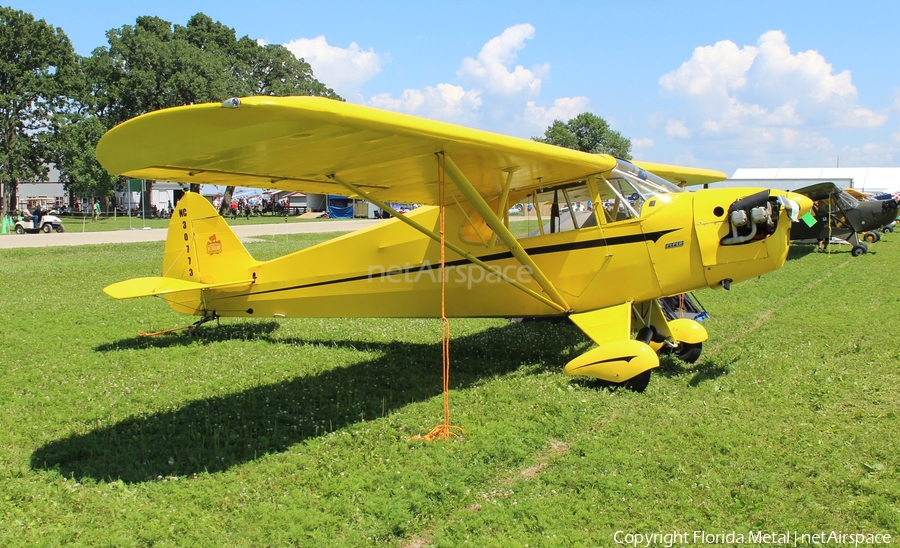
pixel 495 91
pixel 765 105
pixel 644 143
pixel 445 102
pixel 564 108
pixel 342 69
pixel 730 88
pixel 491 68
pixel 674 128
pixel 494 85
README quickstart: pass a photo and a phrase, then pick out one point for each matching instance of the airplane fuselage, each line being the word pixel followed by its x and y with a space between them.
pixel 391 270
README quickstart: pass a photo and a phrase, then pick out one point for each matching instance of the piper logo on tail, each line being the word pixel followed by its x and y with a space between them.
pixel 213 246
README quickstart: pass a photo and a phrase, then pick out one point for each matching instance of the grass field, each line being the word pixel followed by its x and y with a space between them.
pixel 265 433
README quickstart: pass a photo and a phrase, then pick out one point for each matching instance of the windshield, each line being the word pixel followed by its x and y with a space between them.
pixel 629 187
pixel 648 182
pixel 846 201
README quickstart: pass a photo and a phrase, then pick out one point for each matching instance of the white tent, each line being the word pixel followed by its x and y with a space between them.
pixel 865 179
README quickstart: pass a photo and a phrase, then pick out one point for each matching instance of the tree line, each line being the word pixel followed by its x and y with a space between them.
pixel 55 104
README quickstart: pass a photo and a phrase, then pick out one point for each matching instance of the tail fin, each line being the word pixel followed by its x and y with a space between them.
pixel 202 252
pixel 201 247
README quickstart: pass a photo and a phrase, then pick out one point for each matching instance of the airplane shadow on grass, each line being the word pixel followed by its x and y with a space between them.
pixel 217 433
pixel 701 372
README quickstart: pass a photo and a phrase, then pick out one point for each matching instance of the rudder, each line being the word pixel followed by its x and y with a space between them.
pixel 201 247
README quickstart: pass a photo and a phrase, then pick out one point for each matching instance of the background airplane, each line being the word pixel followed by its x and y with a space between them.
pixel 603 266
pixel 873 196
pixel 838 214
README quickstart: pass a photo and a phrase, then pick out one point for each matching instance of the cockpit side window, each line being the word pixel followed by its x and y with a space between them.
pixel 561 209
pixel 621 201
pixel 618 195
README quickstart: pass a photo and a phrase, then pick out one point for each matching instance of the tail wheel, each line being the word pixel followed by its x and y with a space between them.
pixel 689 352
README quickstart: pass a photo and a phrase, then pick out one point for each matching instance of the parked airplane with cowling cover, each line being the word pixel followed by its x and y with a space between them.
pixel 840 215
pixel 604 266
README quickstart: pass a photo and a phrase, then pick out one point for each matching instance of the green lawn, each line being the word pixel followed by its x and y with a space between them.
pixel 79 223
pixel 294 432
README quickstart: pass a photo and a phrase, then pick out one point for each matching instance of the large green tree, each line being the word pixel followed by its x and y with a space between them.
pixel 154 64
pixel 37 75
pixel 72 151
pixel 588 133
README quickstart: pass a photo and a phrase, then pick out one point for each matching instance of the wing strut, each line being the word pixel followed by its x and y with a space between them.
pixel 496 224
pixel 456 249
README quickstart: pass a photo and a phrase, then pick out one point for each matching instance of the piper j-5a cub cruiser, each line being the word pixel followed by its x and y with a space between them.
pixel 598 239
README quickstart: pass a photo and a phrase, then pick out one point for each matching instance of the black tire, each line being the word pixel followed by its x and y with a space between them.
pixel 60 228
pixel 871 237
pixel 858 250
pixel 47 229
pixel 20 230
pixel 887 229
pixel 689 352
pixel 639 382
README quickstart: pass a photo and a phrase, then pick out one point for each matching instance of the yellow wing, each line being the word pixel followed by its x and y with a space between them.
pixel 300 143
pixel 683 176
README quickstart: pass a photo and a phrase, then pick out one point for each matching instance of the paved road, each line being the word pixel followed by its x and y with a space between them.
pixel 244 232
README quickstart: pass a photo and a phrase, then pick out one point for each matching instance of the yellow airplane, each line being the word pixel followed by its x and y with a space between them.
pixel 608 237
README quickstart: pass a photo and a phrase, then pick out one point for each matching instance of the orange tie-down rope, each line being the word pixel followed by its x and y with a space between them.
pixel 443 431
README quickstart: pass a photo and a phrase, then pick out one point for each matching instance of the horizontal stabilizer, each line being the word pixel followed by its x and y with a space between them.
pixel 156 285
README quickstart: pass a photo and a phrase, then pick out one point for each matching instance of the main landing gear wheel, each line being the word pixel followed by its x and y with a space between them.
pixel 872 237
pixel 639 382
pixel 689 352
pixel 859 249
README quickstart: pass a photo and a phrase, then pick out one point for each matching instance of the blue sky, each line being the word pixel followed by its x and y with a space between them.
pixel 715 84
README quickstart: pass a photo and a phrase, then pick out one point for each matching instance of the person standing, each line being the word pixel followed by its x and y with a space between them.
pixel 96 216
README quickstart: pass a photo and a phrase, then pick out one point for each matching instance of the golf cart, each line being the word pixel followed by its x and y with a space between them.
pixel 48 224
